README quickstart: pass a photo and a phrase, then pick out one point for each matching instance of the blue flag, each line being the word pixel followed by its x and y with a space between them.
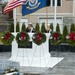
pixel 33 5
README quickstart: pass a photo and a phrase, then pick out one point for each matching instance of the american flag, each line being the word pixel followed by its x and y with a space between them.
pixel 13 4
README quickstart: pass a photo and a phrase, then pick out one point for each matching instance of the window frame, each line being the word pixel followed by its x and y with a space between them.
pixel 51 1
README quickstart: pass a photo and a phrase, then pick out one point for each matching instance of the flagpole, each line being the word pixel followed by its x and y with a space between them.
pixel 55 4
pixel 28 19
pixel 14 16
pixel 46 16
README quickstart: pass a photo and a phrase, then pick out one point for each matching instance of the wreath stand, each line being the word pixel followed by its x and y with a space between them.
pixel 37 56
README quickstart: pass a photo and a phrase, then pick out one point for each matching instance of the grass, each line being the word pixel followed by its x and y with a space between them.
pixel 1 74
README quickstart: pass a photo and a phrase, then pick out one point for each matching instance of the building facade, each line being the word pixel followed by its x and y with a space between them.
pixel 0 9
pixel 65 13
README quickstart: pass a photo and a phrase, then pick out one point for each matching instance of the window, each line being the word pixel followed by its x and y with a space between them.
pixel 58 2
pixel 51 20
pixel 53 1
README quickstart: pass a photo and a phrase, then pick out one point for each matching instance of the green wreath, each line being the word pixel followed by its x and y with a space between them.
pixel 22 38
pixel 56 38
pixel 7 38
pixel 70 39
pixel 39 38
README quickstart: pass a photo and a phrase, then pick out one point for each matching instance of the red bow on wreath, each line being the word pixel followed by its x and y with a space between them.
pixel 23 35
pixel 56 35
pixel 39 37
pixel 72 36
pixel 7 36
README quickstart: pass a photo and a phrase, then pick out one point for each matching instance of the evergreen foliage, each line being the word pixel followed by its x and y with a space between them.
pixel 43 27
pixel 51 26
pixel 17 27
pixel 39 38
pixel 22 38
pixel 56 38
pixel 11 29
pixel 23 27
pixel 7 38
pixel 57 28
pixel 65 31
pixel 72 29
pixel 37 28
pixel 4 4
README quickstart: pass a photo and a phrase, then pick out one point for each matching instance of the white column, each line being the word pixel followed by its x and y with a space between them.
pixel 55 5
pixel 73 8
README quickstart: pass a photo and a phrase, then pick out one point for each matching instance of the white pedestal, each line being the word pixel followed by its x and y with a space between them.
pixel 37 56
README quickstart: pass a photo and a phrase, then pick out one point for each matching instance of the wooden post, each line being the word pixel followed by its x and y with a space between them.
pixel 28 19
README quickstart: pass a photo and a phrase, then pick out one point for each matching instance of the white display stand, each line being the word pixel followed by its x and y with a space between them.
pixel 37 56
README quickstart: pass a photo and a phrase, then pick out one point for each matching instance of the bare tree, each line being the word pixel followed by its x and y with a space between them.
pixel 0 1
pixel 3 1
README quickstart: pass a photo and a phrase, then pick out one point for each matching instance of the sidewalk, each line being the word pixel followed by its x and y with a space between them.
pixel 65 67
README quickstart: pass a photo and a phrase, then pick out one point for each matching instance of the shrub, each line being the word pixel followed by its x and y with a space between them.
pixel 72 27
pixel 17 27
pixel 4 4
pixel 43 27
pixel 57 28
pixel 37 28
pixel 11 28
pixel 51 26
pixel 65 31
pixel 23 27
